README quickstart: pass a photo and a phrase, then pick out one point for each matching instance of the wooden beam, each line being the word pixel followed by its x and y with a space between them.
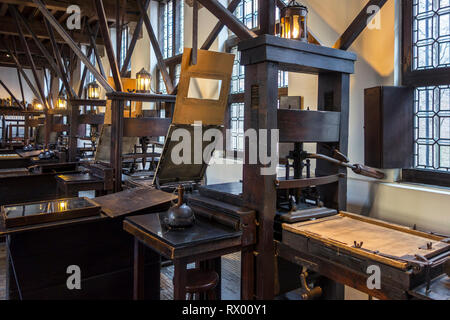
pixel 8 60
pixel 134 39
pixel 71 43
pixel 34 49
pixel 3 9
pixel 39 44
pixel 7 28
pixel 357 26
pixel 266 16
pixel 219 26
pixel 19 78
pixel 95 50
pixel 83 76
pixel 19 66
pixel 155 45
pixel 228 18
pixel 108 44
pixel 87 7
pixel 59 61
pixel 10 93
pixel 30 60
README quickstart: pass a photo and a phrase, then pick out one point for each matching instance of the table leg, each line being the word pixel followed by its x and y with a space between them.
pixel 247 274
pixel 217 267
pixel 179 279
pixel 138 270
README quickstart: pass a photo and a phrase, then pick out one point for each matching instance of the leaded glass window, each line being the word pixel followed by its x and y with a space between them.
pixel 431 34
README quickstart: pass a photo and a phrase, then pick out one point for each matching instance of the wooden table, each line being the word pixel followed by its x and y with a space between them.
pixel 205 242
pixel 38 255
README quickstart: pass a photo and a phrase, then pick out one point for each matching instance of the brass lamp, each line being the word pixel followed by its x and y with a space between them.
pixel 293 22
pixel 93 91
pixel 37 105
pixel 61 103
pixel 143 81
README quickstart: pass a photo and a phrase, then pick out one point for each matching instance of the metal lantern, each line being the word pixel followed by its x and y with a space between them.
pixel 293 22
pixel 61 103
pixel 93 91
pixel 143 81
pixel 37 105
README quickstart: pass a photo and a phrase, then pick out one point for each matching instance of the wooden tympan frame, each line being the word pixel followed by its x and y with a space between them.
pixel 210 65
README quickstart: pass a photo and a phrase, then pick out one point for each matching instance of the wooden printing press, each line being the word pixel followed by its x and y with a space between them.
pixel 93 235
pixel 319 246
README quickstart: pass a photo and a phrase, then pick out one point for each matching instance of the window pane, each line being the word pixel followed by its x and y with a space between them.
pixel 431 34
pixel 432 128
pixel 237 126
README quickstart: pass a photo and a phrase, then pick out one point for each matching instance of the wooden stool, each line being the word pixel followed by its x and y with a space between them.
pixel 199 281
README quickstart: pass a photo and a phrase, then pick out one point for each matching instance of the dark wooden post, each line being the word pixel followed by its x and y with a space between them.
pixel 73 130
pixel 261 93
pixel 267 16
pixel 116 142
pixel 334 89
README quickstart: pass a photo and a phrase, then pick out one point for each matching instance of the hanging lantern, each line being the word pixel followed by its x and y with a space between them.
pixel 293 22
pixel 61 103
pixel 93 91
pixel 143 81
pixel 37 105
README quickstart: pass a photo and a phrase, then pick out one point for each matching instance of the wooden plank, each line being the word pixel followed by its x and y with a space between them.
pixel 133 201
pixel 357 26
pixel 306 182
pixel 308 126
pixel 296 56
pixel 146 127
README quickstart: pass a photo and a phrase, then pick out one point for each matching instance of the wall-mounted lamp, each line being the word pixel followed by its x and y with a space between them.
pixel 37 105
pixel 293 22
pixel 61 103
pixel 93 91
pixel 143 81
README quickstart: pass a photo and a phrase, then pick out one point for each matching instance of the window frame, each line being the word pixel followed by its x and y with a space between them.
pixel 420 78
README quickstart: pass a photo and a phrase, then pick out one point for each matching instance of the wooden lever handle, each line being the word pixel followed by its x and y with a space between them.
pixel 367 171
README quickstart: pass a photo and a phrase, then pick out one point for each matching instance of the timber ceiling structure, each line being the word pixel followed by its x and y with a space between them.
pixel 33 27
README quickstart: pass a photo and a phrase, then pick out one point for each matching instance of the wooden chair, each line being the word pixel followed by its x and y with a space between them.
pixel 202 283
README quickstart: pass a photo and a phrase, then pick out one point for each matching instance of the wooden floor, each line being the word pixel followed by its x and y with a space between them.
pixel 230 277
